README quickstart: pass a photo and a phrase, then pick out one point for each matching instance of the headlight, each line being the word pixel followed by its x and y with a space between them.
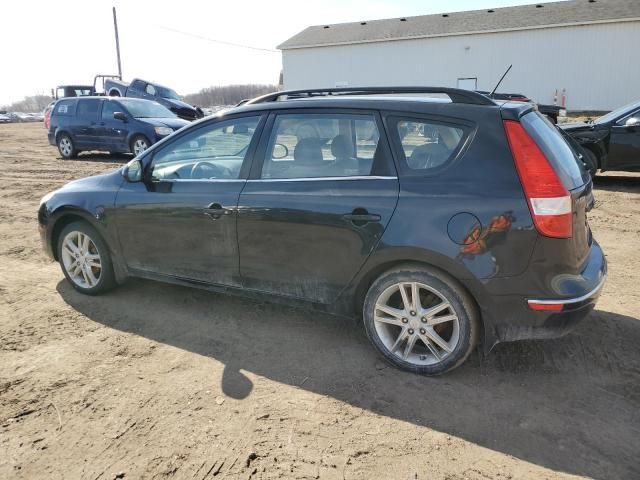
pixel 163 131
pixel 47 197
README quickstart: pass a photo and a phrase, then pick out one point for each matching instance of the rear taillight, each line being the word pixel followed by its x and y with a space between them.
pixel 549 200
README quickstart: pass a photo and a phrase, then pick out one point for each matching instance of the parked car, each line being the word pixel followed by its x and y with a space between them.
pixel 4 119
pixel 477 233
pixel 612 142
pixel 551 111
pixel 152 91
pixel 47 114
pixel 113 125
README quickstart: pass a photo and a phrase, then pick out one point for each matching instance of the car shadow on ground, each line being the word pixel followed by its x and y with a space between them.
pixel 569 404
pixel 617 183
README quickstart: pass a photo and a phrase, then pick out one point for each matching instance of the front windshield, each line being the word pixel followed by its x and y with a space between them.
pixel 619 112
pixel 145 109
pixel 167 93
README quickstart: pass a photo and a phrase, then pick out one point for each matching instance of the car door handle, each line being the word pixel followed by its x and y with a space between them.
pixel 215 211
pixel 360 217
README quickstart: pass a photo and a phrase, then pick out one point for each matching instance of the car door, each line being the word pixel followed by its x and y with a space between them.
pixel 85 124
pixel 112 133
pixel 316 204
pixel 624 144
pixel 180 222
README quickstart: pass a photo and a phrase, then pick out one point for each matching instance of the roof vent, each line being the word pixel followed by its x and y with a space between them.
pixel 490 11
pixel 326 26
pixel 445 15
pixel 363 23
pixel 403 19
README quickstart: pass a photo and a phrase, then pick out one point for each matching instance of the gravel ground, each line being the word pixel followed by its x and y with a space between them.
pixel 159 381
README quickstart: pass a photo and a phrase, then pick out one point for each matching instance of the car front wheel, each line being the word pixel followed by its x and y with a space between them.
pixel 139 144
pixel 85 259
pixel 420 320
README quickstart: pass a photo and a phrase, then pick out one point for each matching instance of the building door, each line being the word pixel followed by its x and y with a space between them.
pixel 468 83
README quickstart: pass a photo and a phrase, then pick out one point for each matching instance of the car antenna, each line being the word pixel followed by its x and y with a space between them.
pixel 500 81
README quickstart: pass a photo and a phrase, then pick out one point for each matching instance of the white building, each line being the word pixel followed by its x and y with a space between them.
pixel 588 48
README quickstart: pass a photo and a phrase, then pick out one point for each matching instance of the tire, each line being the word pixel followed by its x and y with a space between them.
pixel 439 345
pixel 71 248
pixel 139 144
pixel 66 147
pixel 591 161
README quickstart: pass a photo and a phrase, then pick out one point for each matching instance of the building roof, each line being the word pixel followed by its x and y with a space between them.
pixel 535 16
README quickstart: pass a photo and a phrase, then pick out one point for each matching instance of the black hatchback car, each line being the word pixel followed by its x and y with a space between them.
pixel 443 221
pixel 122 125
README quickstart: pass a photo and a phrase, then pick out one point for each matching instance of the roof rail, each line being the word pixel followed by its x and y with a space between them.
pixel 455 94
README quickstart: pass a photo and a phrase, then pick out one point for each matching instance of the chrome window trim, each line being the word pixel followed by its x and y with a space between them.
pixel 315 179
pixel 182 180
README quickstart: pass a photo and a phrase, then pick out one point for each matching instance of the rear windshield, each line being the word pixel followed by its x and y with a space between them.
pixel 563 158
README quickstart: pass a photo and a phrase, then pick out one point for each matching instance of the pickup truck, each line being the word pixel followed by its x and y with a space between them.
pixel 152 91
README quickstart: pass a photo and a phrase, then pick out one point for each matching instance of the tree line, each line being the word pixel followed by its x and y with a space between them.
pixel 32 104
pixel 227 95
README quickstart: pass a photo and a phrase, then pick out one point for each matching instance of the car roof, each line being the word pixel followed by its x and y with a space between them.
pixel 397 102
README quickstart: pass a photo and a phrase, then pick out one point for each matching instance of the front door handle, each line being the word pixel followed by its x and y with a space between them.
pixel 215 211
pixel 361 216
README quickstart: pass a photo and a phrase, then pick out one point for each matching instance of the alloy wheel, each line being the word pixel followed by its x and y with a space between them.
pixel 65 146
pixel 139 146
pixel 416 323
pixel 81 259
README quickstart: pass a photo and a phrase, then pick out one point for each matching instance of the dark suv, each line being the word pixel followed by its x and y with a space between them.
pixel 475 231
pixel 97 123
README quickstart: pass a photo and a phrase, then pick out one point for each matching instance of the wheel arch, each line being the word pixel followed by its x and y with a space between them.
pixel 455 273
pixel 63 217
pixel 61 132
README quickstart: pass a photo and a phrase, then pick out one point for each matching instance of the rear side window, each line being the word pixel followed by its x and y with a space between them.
pixel 64 107
pixel 426 145
pixel 561 156
pixel 321 145
pixel 88 109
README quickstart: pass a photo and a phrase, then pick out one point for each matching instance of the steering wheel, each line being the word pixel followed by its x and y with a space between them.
pixel 209 170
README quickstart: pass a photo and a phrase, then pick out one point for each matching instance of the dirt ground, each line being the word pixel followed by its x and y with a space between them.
pixel 159 381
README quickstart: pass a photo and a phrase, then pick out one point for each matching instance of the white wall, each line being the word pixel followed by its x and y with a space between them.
pixel 599 65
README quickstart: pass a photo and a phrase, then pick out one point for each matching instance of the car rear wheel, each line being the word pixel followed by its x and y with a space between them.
pixel 85 259
pixel 420 320
pixel 139 144
pixel 66 147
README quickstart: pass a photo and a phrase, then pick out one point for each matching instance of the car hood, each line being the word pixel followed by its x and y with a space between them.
pixel 102 181
pixel 573 127
pixel 171 122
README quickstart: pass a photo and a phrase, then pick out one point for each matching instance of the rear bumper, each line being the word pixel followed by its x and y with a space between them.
pixel 517 317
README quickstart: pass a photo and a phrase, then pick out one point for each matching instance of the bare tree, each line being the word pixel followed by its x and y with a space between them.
pixel 35 103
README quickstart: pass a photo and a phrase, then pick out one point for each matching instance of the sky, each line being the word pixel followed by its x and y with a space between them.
pixel 48 43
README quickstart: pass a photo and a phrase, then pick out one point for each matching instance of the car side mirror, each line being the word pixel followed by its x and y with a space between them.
pixel 120 116
pixel 132 171
pixel 632 123
pixel 280 151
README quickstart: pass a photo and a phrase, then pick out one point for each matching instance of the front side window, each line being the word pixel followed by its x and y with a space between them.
pixel 215 151
pixel 88 109
pixel 109 108
pixel 427 145
pixel 321 145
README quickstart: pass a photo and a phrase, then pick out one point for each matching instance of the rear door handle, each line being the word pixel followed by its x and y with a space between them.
pixel 215 211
